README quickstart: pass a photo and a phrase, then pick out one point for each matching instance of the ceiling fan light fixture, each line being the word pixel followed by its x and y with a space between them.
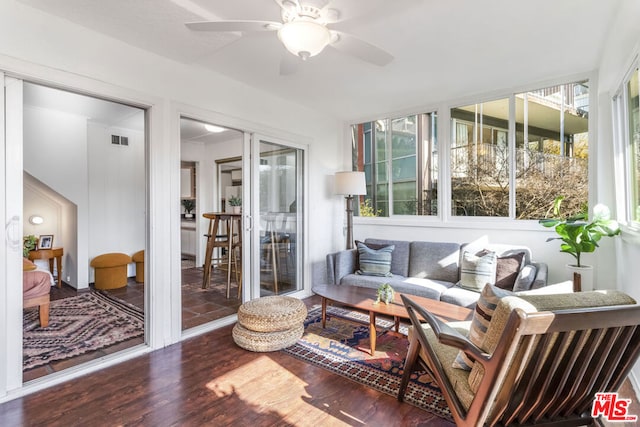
pixel 213 128
pixel 304 38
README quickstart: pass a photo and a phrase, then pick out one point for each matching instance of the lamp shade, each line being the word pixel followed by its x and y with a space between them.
pixel 304 38
pixel 351 183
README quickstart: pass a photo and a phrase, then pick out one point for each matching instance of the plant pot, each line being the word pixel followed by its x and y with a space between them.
pixel 188 215
pixel 236 209
pixel 586 275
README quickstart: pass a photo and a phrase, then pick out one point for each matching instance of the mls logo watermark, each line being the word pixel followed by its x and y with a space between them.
pixel 612 408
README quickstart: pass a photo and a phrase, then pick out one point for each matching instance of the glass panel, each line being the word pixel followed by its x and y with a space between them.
pixel 210 238
pixel 480 159
pixel 280 218
pixel 411 160
pixel 634 140
pixel 552 142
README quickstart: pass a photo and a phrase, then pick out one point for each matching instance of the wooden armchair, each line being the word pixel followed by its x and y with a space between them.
pixel 545 365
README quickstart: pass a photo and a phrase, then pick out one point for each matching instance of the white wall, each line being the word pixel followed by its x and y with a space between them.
pixel 117 204
pixel 55 151
pixel 621 48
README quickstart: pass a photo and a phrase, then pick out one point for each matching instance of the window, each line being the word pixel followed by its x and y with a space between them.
pixel 552 149
pixel 627 111
pixel 480 159
pixel 508 157
pixel 551 154
pixel 399 158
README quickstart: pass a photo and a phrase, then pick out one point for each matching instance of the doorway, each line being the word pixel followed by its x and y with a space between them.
pixel 257 247
pixel 208 181
pixel 83 196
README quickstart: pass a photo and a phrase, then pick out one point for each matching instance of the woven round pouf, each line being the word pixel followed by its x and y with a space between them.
pixel 266 341
pixel 272 314
pixel 269 323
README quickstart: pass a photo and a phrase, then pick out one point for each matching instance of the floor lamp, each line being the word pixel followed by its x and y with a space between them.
pixel 350 184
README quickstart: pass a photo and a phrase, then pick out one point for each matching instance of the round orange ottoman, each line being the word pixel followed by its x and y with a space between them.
pixel 111 270
pixel 138 258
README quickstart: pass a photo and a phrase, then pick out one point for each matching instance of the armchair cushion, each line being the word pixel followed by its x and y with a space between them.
pixel 533 303
pixel 447 354
pixel 482 315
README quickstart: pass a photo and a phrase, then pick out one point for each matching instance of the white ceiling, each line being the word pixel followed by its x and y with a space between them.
pixel 94 109
pixel 443 49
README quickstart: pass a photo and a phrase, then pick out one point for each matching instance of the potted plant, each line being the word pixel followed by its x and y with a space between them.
pixel 189 205
pixel 580 235
pixel 29 243
pixel 385 293
pixel 236 203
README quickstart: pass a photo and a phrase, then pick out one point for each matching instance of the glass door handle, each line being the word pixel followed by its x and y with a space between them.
pixel 248 220
pixel 12 230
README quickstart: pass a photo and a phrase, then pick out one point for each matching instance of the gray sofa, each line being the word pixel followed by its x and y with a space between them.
pixel 431 269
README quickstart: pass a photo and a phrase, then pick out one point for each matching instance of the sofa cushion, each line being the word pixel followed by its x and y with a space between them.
pixel 370 246
pixel 409 285
pixel 525 279
pixel 460 296
pixel 375 262
pixel 477 271
pixel 434 260
pixel 507 270
pixel 28 265
pixel 482 315
pixel 400 257
pixel 501 249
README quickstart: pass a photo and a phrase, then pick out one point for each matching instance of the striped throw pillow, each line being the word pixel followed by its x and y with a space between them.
pixel 485 307
pixel 477 271
pixel 375 262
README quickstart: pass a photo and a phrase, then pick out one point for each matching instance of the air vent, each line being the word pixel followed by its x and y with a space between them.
pixel 119 140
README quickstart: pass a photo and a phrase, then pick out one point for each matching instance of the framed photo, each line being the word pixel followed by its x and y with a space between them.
pixel 46 241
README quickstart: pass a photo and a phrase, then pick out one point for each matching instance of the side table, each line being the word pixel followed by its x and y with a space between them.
pixel 50 254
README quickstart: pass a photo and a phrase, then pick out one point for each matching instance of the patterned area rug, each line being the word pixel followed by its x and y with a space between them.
pixel 343 347
pixel 78 325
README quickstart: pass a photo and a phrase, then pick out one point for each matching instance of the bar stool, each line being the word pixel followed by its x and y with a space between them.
pixel 274 241
pixel 232 226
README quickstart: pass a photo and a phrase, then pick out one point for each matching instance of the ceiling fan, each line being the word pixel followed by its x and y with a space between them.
pixel 307 27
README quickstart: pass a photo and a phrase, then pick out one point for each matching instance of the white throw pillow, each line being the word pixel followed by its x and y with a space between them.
pixel 477 271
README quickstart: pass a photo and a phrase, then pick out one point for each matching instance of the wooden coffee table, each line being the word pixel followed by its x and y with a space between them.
pixel 364 299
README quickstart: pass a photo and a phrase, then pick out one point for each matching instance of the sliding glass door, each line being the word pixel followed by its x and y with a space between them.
pixel 278 212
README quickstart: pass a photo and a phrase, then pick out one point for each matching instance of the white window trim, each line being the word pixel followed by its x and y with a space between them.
pixel 630 229
pixel 443 112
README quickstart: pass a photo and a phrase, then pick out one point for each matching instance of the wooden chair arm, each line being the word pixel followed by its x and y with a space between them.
pixel 443 332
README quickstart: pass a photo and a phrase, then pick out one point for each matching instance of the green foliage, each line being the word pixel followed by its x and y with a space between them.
pixel 235 201
pixel 189 205
pixel 577 233
pixel 29 243
pixel 385 294
pixel 367 210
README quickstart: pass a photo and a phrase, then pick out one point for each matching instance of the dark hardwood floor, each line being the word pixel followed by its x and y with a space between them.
pixel 208 380
pixel 199 306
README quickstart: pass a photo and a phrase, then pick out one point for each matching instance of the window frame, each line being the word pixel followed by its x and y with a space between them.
pixel 443 138
pixel 624 175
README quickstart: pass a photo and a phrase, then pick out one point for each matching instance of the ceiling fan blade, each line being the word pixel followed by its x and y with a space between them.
pixel 230 26
pixel 367 52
